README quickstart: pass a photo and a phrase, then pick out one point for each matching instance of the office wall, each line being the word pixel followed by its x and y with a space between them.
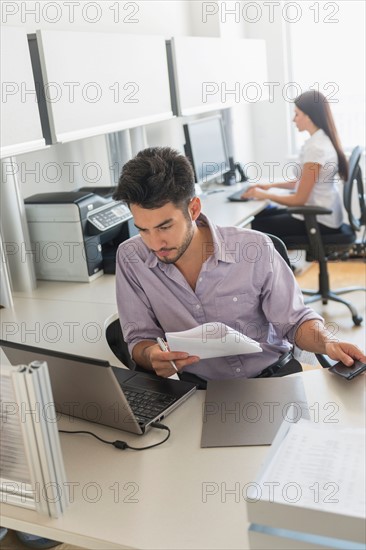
pixel 86 162
pixel 274 135
pixel 145 17
pixel 270 130
pixel 261 130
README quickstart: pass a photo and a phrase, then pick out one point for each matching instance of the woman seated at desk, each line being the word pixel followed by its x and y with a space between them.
pixel 321 159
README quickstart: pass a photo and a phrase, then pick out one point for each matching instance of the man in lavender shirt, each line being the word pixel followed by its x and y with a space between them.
pixel 182 271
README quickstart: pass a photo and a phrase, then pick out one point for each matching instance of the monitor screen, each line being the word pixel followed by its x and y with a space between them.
pixel 206 148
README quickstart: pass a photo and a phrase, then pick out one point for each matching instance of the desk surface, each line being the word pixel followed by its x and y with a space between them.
pixel 224 212
pixel 176 496
pixel 63 316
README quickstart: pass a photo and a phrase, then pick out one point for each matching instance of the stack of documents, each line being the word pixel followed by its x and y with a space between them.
pixel 212 340
pixel 311 490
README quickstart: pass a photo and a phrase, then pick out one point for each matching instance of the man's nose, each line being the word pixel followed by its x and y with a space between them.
pixel 157 242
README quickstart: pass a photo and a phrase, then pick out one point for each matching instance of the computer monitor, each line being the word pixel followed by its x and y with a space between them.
pixel 206 148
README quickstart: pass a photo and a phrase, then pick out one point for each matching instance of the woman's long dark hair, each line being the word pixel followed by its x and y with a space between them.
pixel 316 106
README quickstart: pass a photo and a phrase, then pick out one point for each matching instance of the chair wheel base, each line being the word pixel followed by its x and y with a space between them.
pixel 357 320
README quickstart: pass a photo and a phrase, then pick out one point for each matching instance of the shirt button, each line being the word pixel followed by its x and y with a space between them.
pixel 238 370
pixel 198 306
pixel 200 279
pixel 235 299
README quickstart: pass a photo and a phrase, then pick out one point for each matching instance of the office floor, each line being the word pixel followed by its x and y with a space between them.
pixel 336 315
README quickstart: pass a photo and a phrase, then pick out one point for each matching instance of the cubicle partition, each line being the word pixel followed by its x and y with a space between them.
pixel 62 86
pixel 21 129
pixel 217 73
pixel 98 83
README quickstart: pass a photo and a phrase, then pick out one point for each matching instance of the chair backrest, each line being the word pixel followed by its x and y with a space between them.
pixel 114 337
pixel 280 247
pixel 355 178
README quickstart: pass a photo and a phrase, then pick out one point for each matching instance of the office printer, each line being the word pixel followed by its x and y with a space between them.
pixel 75 234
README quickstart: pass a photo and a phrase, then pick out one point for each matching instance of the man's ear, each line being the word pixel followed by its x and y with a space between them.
pixel 194 208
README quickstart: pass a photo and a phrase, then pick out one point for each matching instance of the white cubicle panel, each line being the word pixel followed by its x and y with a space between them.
pixel 96 83
pixel 21 130
pixel 216 73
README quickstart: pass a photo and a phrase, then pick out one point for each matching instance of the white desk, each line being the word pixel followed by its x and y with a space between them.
pixel 223 212
pixel 63 316
pixel 176 496
pixel 168 482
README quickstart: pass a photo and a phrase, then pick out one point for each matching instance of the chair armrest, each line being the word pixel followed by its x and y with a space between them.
pixel 310 213
pixel 315 210
pixel 323 360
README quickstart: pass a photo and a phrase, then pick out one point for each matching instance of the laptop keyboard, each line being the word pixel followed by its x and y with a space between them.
pixel 147 404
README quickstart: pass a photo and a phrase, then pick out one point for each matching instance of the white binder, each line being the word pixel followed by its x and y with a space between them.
pixel 32 472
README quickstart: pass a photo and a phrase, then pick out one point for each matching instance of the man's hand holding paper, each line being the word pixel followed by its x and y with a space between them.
pixel 161 361
pixel 212 340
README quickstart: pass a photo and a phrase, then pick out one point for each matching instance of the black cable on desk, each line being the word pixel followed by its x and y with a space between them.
pixel 123 444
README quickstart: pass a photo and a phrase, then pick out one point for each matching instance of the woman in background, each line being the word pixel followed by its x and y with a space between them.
pixel 321 159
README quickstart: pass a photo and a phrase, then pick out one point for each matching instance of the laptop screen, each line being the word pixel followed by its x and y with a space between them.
pixel 82 387
pixel 94 390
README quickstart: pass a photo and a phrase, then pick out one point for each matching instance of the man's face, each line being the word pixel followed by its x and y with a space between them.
pixel 167 231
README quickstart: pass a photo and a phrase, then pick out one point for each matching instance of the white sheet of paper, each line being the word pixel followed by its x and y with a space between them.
pixel 328 464
pixel 212 340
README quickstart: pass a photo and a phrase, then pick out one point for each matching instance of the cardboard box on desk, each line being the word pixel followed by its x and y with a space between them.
pixel 320 514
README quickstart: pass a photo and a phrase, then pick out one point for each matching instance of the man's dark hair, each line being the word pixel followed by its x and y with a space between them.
pixel 156 176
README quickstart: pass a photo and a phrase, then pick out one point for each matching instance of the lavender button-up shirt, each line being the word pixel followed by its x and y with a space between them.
pixel 244 283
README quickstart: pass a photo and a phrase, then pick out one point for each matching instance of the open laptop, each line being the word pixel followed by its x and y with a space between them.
pixel 94 390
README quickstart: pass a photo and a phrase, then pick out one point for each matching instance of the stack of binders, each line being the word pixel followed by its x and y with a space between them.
pixel 32 473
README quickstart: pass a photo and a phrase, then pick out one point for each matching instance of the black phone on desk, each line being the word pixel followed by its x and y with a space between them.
pixel 348 372
pixel 230 175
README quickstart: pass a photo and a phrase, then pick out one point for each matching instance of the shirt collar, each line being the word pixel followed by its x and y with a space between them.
pixel 151 260
pixel 220 245
pixel 219 253
pixel 318 132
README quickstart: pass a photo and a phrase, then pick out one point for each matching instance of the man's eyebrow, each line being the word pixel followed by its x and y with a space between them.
pixel 169 220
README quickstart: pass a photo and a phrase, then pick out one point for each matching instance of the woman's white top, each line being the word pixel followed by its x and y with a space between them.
pixel 319 149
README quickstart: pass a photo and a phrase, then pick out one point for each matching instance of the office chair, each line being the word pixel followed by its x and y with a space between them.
pixel 282 250
pixel 280 247
pixel 115 340
pixel 337 245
